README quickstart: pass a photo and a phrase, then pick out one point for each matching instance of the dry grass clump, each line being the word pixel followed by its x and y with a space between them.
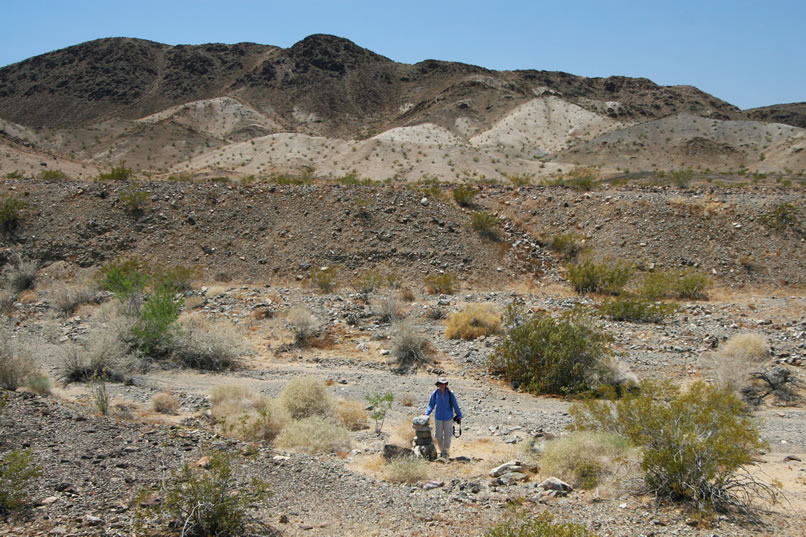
pixel 388 308
pixel 246 414
pixel 734 362
pixel 204 345
pixel 39 383
pixel 303 324
pixel 474 321
pixel 407 295
pixel 406 470
pixel 19 274
pixel 68 298
pixel 316 435
pixel 165 403
pixel 7 300
pixel 585 459
pixel 410 349
pixel 16 363
pixel 304 397
pixel 104 355
pixel 353 414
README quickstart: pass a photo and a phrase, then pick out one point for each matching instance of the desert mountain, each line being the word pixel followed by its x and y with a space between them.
pixel 330 107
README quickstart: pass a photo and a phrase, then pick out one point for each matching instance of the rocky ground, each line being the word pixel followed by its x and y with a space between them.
pixel 94 466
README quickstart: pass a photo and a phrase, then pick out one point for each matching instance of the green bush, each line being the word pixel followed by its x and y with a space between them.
pixel 152 333
pixel 463 195
pixel 369 281
pixel 206 501
pixel 16 470
pixel 557 356
pixel 134 201
pixel 591 277
pixel 781 216
pixel 695 444
pixel 542 525
pixel 178 278
pixel 656 285
pixel 692 285
pixel 583 458
pixel 441 284
pixel 124 277
pixel 380 405
pixel 51 175
pixel 636 310
pixel 567 244
pixel 682 178
pixel 484 224
pixel 324 279
pixel 118 173
pixel 12 210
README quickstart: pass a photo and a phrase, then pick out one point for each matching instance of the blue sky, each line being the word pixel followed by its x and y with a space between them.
pixel 749 53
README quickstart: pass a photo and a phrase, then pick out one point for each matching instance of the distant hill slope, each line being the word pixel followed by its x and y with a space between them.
pixel 789 114
pixel 322 85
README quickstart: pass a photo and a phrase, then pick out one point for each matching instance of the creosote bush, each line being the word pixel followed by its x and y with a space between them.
pixel 463 195
pixel 16 470
pixel 484 224
pixel 475 321
pixel 206 501
pixel 636 310
pixel 443 283
pixel 567 244
pixel 584 459
pixel 608 278
pixel 558 356
pixel 12 210
pixel 542 525
pixel 696 444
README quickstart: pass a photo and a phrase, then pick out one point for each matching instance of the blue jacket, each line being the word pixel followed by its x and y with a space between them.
pixel 443 405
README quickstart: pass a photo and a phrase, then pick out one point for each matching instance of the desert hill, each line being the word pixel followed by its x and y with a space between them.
pixel 790 114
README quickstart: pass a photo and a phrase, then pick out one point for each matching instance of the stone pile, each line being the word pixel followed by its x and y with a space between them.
pixel 423 443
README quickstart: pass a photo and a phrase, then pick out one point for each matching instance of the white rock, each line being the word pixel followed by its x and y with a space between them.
pixel 511 466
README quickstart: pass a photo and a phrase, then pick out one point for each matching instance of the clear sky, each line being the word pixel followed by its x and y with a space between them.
pixel 747 52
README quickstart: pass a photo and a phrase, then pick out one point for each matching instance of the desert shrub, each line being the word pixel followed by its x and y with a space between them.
pixel 67 299
pixel 177 278
pixel 484 224
pixel 636 310
pixel 406 470
pixel 38 383
pixel 16 470
pixel 591 277
pixel 7 300
pixel 324 279
pixel 443 283
pixel 153 331
pixel 316 435
pixel 20 274
pixel 369 281
pixel 407 295
pixel 781 216
pixel 542 525
pixel 682 178
pixel 520 180
pixel 51 175
pixel 692 285
pixel 206 501
pixel 105 353
pixel 164 403
pixel 16 363
pixel 99 395
pixel 202 345
pixel 463 195
pixel 475 321
pixel 123 277
pixel 303 324
pixel 695 445
pixel 738 358
pixel 117 173
pixel 559 356
pixel 409 348
pixel 580 178
pixel 306 396
pixel 352 414
pixel 388 308
pixel 263 425
pixel 134 201
pixel 379 407
pixel 567 244
pixel 584 459
pixel 656 285
pixel 12 211
pixel 246 414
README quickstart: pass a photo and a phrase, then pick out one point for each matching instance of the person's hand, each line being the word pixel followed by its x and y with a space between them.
pixel 457 419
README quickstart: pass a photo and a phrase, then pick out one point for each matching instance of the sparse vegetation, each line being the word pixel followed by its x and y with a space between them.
pixel 202 345
pixel 324 279
pixel 164 403
pixel 475 321
pixel 352 414
pixel 304 397
pixel 16 471
pixel 16 364
pixel 379 406
pixel 567 244
pixel 636 310
pixel 589 276
pixel 134 201
pixel 585 459
pixel 303 325
pixel 117 173
pixel 780 217
pixel 19 274
pixel 68 298
pixel 51 175
pixel 542 525
pixel 696 445
pixel 442 283
pixel 463 195
pixel 316 435
pixel 406 470
pixel 484 224
pixel 738 358
pixel 557 356
pixel 410 349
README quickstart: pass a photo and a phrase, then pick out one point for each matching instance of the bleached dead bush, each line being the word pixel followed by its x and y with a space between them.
pixel 738 358
pixel 303 324
pixel 16 362
pixel 211 347
pixel 7 300
pixel 406 470
pixel 246 414
pixel 353 414
pixel 410 349
pixel 20 274
pixel 388 308
pixel 306 396
pixel 585 459
pixel 315 435
pixel 164 403
pixel 68 298
pixel 105 354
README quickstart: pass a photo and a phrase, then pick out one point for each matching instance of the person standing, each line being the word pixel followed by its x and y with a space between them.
pixel 447 410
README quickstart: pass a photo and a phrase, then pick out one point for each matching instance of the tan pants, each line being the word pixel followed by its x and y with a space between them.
pixel 443 431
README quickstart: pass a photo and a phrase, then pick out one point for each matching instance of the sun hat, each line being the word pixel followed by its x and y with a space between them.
pixel 442 380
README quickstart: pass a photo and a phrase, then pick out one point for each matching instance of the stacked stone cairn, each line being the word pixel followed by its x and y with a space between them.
pixel 423 443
